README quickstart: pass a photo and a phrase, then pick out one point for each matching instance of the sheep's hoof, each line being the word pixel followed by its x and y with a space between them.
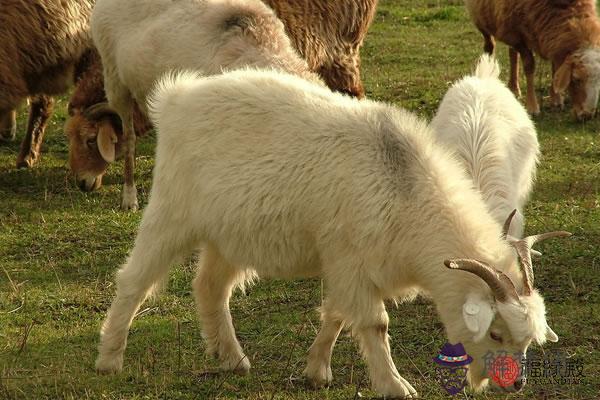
pixel 129 200
pixel 318 376
pixel 27 161
pixel 109 365
pixel 8 135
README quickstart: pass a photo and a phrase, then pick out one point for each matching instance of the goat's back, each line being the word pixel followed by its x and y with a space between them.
pixel 254 153
pixel 493 138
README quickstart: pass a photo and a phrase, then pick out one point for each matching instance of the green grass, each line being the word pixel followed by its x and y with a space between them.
pixel 59 249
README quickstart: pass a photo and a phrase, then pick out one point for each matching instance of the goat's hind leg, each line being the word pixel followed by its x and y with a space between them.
pixel 215 280
pixel 158 245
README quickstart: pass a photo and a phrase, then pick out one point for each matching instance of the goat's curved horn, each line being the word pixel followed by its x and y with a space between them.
pixel 506 226
pixel 524 250
pixel 502 287
pixel 98 111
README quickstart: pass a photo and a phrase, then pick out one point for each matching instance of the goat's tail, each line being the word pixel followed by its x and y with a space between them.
pixel 167 90
pixel 487 67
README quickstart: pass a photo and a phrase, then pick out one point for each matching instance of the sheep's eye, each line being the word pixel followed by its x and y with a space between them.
pixel 496 337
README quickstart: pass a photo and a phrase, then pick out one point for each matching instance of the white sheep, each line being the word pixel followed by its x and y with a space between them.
pixel 492 134
pixel 139 40
pixel 272 175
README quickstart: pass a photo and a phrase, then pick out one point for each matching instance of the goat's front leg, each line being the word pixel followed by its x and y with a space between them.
pixel 360 305
pixel 129 199
pixel 318 368
pixel 8 125
pixel 513 81
pixel 39 114
pixel 529 66
pixel 214 282
pixel 375 345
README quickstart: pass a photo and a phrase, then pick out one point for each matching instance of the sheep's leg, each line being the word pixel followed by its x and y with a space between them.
pixel 489 44
pixel 529 67
pixel 214 282
pixel 129 199
pixel 8 125
pixel 558 99
pixel 157 246
pixel 513 82
pixel 39 114
pixel 365 312
pixel 318 368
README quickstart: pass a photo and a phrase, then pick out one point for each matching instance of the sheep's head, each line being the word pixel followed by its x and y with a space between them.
pixel 580 74
pixel 502 321
pixel 94 143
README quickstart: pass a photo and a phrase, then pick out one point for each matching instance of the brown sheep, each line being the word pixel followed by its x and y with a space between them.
pixel 566 32
pixel 41 47
pixel 328 35
pixel 93 130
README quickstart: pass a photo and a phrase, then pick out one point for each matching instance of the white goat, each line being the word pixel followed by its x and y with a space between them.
pixel 270 174
pixel 139 40
pixel 494 138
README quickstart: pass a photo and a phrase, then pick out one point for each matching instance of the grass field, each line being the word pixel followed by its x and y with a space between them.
pixel 59 249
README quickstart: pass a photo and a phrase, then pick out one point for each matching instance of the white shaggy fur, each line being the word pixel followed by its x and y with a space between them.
pixel 494 138
pixel 139 40
pixel 273 175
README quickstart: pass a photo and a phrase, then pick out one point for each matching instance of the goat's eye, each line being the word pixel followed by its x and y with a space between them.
pixel 496 337
pixel 91 142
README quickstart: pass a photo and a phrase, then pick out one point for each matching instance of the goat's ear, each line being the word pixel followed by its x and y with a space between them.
pixel 478 316
pixel 562 76
pixel 107 140
pixel 550 335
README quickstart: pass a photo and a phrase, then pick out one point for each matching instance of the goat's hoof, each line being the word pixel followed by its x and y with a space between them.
pixel 237 365
pixel 109 365
pixel 398 389
pixel 318 376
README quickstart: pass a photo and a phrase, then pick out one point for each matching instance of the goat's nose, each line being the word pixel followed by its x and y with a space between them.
pixel 519 383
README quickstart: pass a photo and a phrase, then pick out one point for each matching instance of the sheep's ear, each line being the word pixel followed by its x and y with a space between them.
pixel 562 76
pixel 107 140
pixel 478 316
pixel 550 335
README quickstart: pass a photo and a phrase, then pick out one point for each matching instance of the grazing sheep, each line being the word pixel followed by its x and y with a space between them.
pixel 42 44
pixel 272 175
pixel 483 122
pixel 329 35
pixel 135 40
pixel 565 32
pixel 93 129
